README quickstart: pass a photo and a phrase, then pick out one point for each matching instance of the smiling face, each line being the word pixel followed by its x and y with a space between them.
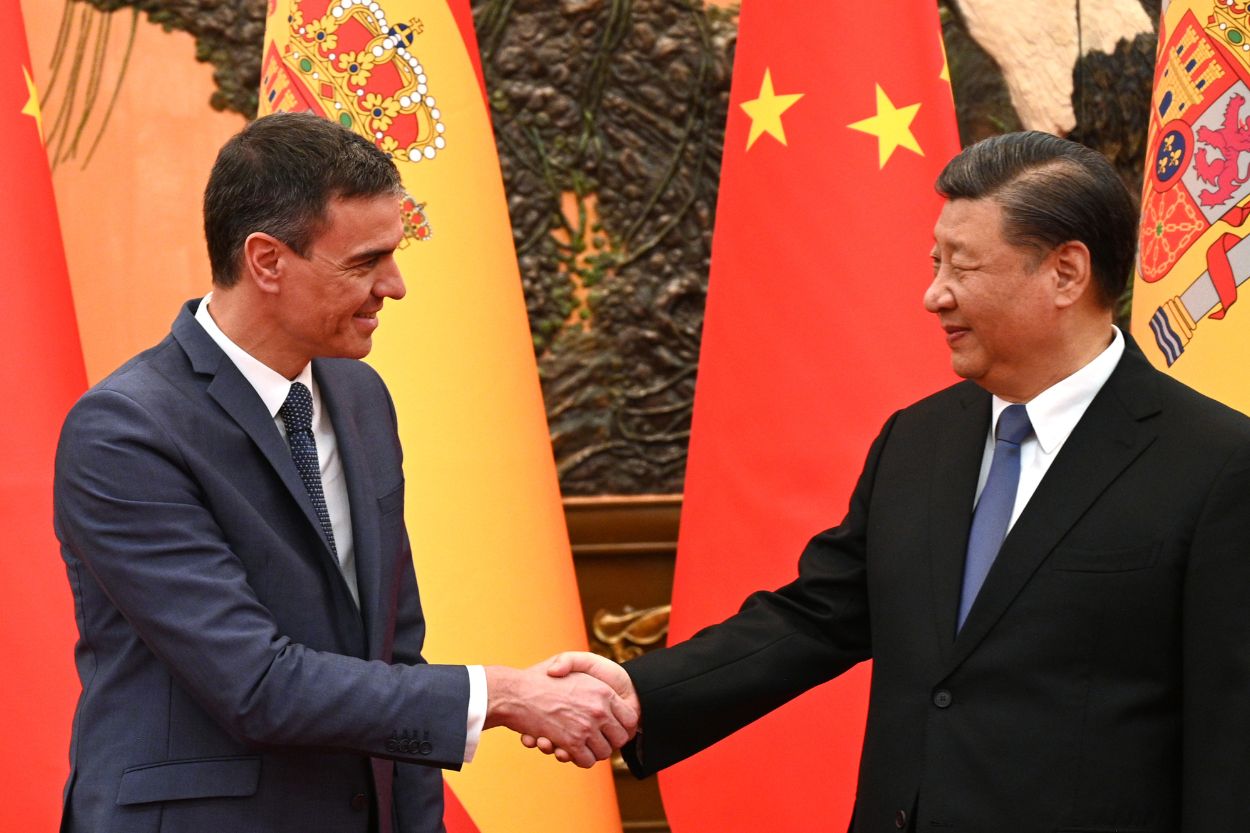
pixel 996 303
pixel 330 297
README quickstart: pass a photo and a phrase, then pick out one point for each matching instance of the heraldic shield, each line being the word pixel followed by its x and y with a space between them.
pixel 346 61
pixel 1194 198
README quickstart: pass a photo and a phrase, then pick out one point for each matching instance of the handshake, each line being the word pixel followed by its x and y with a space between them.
pixel 576 706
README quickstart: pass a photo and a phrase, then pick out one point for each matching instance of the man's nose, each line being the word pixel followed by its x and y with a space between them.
pixel 391 282
pixel 938 296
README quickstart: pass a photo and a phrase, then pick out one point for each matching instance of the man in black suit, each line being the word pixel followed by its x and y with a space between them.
pixel 230 505
pixel 1048 563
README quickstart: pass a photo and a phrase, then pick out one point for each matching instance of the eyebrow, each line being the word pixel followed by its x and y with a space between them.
pixel 954 245
pixel 370 254
pixel 957 242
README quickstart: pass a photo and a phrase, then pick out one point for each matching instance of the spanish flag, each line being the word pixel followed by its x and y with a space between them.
pixel 41 372
pixel 483 510
pixel 840 118
pixel 1193 252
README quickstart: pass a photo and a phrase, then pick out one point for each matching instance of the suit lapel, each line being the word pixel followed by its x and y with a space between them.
pixel 1107 439
pixel 238 399
pixel 957 465
pixel 229 389
pixel 362 497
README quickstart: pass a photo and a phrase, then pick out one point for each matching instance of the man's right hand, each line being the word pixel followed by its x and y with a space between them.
pixel 576 713
pixel 582 662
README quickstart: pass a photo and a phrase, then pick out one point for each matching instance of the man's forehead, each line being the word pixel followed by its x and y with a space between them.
pixel 362 224
pixel 967 223
pixel 368 209
pixel 339 203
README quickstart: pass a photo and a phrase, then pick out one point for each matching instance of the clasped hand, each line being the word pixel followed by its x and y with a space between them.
pixel 576 706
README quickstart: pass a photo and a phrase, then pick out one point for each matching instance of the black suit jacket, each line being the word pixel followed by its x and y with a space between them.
pixel 1102 679
pixel 229 681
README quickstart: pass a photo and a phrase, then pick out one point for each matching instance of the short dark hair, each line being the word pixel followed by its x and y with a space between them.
pixel 277 175
pixel 1052 191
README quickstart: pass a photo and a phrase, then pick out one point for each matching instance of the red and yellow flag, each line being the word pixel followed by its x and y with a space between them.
pixel 41 371
pixel 483 511
pixel 840 118
pixel 1193 253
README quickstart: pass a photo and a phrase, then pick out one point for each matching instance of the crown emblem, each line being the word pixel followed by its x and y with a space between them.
pixel 416 226
pixel 347 61
pixel 1228 23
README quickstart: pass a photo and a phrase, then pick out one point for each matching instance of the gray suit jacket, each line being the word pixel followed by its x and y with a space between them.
pixel 229 682
pixel 1102 679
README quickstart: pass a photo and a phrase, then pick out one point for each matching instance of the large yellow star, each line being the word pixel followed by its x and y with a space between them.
pixel 891 126
pixel 765 111
pixel 32 104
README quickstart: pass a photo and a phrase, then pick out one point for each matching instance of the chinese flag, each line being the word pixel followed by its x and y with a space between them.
pixel 484 513
pixel 840 119
pixel 41 373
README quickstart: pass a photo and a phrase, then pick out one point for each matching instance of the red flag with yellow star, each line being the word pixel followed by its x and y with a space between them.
pixel 41 371
pixel 840 118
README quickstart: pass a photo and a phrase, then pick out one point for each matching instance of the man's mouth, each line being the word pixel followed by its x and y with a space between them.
pixel 368 320
pixel 954 332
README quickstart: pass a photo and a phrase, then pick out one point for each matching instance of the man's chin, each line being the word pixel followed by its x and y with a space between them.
pixel 355 348
pixel 959 366
pixel 966 369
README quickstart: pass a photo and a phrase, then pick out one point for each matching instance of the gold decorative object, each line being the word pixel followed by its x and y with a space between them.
pixel 628 634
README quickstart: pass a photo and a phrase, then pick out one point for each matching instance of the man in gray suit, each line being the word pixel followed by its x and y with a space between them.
pixel 230 508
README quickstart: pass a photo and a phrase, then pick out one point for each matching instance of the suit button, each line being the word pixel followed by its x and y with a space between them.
pixel 425 747
pixel 392 745
pixel 359 802
pixel 942 698
pixel 900 819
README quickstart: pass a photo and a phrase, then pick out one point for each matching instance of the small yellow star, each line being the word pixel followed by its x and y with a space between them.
pixel 32 104
pixel 765 111
pixel 891 126
pixel 945 74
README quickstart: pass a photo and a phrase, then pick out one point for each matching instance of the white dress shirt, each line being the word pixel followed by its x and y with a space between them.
pixel 1054 413
pixel 272 388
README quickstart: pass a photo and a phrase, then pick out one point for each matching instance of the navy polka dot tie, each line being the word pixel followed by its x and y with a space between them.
pixel 296 413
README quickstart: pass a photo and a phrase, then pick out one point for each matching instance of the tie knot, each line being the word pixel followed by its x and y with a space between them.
pixel 296 411
pixel 1014 425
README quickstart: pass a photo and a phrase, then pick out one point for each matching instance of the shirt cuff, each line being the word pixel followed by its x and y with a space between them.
pixel 476 717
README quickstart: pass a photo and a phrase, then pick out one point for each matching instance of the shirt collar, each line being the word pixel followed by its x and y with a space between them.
pixel 270 385
pixel 1055 411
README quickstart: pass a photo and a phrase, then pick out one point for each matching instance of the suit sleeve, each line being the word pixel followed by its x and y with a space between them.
pixel 779 644
pixel 1216 646
pixel 418 790
pixel 129 509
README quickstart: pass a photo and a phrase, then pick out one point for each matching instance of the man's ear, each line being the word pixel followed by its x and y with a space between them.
pixel 264 261
pixel 1073 272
